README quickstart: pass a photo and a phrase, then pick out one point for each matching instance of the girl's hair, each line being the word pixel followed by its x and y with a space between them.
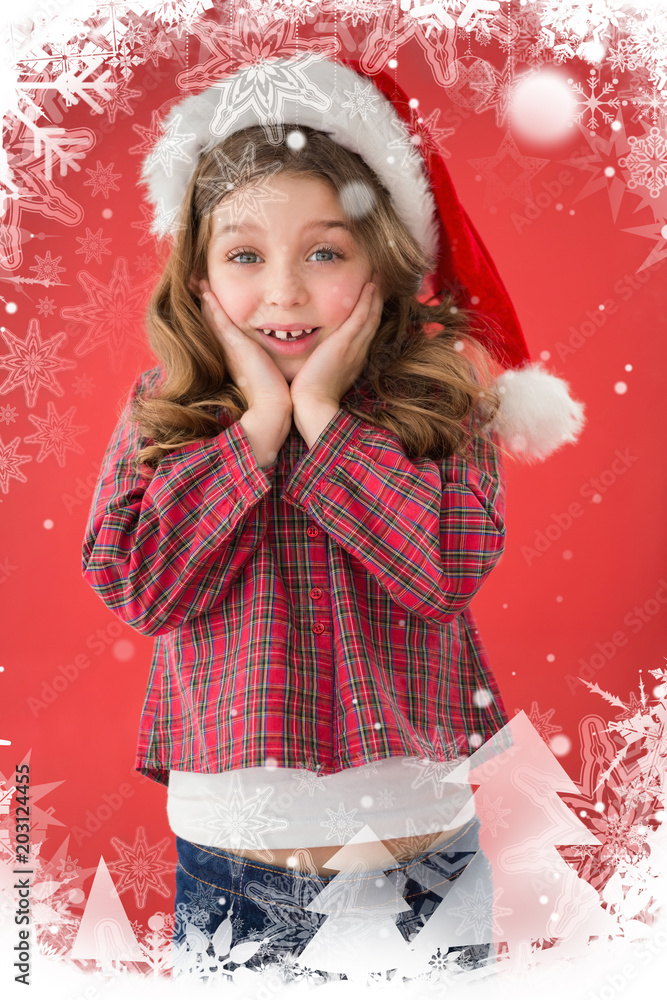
pixel 431 383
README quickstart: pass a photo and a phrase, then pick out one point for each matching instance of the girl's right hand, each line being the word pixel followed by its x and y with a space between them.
pixel 250 367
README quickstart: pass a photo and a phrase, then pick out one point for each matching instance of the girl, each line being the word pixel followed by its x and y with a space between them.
pixel 300 502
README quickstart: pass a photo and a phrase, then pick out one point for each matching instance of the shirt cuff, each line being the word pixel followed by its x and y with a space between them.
pixel 239 460
pixel 342 430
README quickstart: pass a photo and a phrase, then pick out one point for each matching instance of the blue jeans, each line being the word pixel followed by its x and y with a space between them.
pixel 223 900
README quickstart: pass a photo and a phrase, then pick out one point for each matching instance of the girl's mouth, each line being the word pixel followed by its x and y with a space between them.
pixel 290 343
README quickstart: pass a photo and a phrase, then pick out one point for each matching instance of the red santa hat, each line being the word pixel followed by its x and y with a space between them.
pixel 372 117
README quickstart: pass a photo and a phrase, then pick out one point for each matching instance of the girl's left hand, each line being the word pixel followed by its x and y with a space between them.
pixel 339 360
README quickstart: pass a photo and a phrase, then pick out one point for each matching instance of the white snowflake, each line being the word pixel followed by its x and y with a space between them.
pixel 263 88
pixel 172 12
pixel 342 824
pixel 649 38
pixel 249 199
pixel 361 100
pixel 647 162
pixel 240 821
pixel 595 102
pixel 169 147
pixel 478 909
pixel 580 18
pixel 359 10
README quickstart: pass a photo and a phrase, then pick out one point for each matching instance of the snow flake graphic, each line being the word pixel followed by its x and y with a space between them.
pixel 650 41
pixel 46 307
pixel 492 814
pixel 55 434
pixel 542 721
pixel 32 363
pixel 434 771
pixel 10 462
pixel 113 312
pixel 361 100
pixel 144 263
pixel 102 180
pixel 120 100
pixel 342 824
pixel 593 103
pixel 360 10
pixel 141 867
pixel 308 779
pixel 83 385
pixel 647 162
pixel 174 12
pixel 239 821
pixel 385 798
pixel 249 199
pixel 477 909
pixel 263 88
pixel 47 269
pixel 169 146
pixel 8 414
pixel 93 245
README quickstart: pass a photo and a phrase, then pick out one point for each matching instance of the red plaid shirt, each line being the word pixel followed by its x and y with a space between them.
pixel 313 614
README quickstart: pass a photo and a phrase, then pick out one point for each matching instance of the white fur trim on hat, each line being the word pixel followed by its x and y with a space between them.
pixel 309 90
pixel 537 415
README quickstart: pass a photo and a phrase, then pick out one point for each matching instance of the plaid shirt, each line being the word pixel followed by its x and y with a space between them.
pixel 313 614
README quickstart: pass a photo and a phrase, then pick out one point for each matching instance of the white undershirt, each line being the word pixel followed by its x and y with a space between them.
pixel 258 808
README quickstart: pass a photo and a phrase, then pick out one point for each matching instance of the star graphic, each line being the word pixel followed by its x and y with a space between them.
pixel 55 434
pixel 168 146
pixel 102 179
pixel 653 231
pixel 119 99
pixel 250 198
pixel 263 89
pixel 602 164
pixel 93 245
pixel 508 174
pixel 360 100
pixel 33 362
pixel 113 313
pixel 9 463
pixel 141 867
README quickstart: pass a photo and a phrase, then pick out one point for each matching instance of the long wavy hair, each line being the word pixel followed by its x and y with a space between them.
pixel 430 379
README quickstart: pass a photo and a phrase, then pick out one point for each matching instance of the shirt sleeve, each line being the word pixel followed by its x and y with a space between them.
pixel 163 546
pixel 429 531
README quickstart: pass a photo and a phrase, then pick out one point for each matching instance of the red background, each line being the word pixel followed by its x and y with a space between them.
pixel 540 616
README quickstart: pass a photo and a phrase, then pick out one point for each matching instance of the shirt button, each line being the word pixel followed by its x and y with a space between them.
pixel 312 530
pixel 318 628
pixel 316 593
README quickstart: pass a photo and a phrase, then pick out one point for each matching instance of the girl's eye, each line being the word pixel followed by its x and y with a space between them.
pixel 240 253
pixel 235 254
pixel 330 250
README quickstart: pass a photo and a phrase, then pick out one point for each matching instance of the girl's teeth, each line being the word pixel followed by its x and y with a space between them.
pixel 284 335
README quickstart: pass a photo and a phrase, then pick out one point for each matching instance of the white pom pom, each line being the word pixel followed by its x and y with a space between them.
pixel 537 415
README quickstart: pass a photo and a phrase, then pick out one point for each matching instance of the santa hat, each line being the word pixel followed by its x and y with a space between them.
pixel 372 117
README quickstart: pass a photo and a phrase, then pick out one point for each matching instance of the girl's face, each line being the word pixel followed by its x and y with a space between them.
pixel 291 262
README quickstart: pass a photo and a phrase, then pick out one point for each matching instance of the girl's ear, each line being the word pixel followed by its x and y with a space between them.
pixel 193 284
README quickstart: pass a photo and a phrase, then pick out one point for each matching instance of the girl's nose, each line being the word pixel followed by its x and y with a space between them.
pixel 285 288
